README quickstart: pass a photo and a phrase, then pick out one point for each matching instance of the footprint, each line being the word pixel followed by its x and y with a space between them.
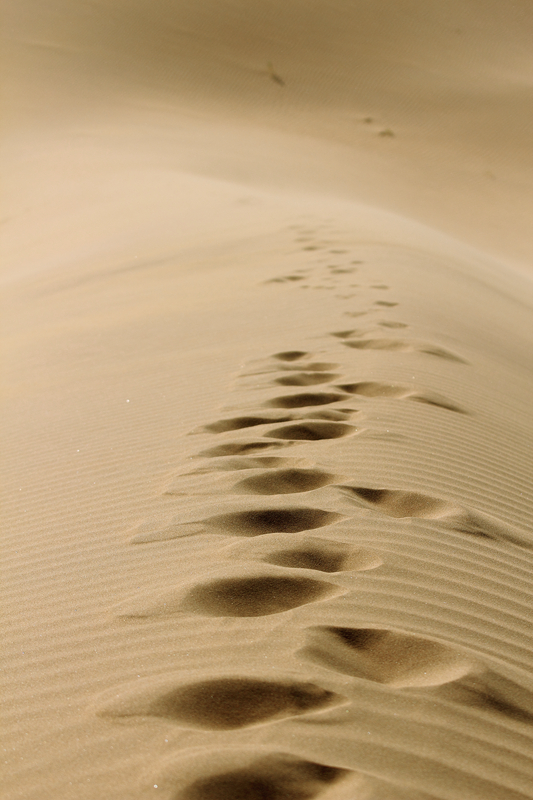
pixel 379 344
pixel 285 279
pixel 290 355
pixel 385 324
pixel 324 555
pixel 374 389
pixel 399 345
pixel 337 414
pixel 229 703
pixel 237 423
pixel 305 378
pixel 396 503
pixel 243 523
pixel 255 597
pixel 396 659
pixel 346 334
pixel 305 399
pixel 238 448
pixel 239 463
pixel 285 481
pixel 490 693
pixel 273 777
pixel 312 431
pixel 385 304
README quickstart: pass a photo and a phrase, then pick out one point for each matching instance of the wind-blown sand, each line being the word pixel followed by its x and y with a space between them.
pixel 266 400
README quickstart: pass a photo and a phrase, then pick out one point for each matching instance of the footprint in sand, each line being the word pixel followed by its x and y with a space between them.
pixel 304 399
pixel 254 596
pixel 238 423
pixel 239 448
pixel 273 777
pixel 306 378
pixel 405 347
pixel 324 555
pixel 400 504
pixel 312 431
pixel 285 481
pixel 385 656
pixel 256 522
pixel 397 391
pixel 225 703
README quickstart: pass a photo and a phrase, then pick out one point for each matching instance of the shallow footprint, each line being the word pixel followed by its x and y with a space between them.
pixel 324 555
pixel 379 344
pixel 304 399
pixel 255 597
pixel 238 463
pixel 396 503
pixel 230 703
pixel 387 324
pixel 312 431
pixel 274 777
pixel 387 657
pixel 305 378
pixel 375 389
pixel 285 481
pixel 238 448
pixel 492 694
pixel 238 423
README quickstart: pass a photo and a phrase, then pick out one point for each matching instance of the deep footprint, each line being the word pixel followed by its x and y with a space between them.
pixel 312 431
pixel 325 556
pixel 275 777
pixel 255 597
pixel 231 703
pixel 304 399
pixel 385 656
pixel 279 520
pixel 285 481
pixel 305 379
pixel 290 355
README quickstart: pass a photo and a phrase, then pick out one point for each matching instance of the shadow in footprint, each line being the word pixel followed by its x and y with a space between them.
pixel 304 399
pixel 385 304
pixel 231 703
pixel 285 481
pixel 312 431
pixel 255 597
pixel 385 656
pixel 290 355
pixel 305 378
pixel 274 777
pixel 325 556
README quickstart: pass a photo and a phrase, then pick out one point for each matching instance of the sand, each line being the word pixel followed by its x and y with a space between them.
pixel 266 400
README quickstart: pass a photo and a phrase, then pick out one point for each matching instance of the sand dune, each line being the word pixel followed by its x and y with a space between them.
pixel 266 400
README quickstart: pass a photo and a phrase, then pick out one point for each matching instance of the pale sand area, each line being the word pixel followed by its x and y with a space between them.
pixel 266 400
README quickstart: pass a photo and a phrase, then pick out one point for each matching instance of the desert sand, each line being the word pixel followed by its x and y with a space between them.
pixel 267 302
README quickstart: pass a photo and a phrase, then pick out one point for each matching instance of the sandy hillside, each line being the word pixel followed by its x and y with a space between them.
pixel 267 306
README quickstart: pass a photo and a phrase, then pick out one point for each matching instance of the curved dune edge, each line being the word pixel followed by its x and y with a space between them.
pixel 266 405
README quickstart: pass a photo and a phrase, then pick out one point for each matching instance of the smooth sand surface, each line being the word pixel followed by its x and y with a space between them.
pixel 266 400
